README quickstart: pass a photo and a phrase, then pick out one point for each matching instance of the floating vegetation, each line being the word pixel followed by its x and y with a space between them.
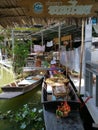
pixel 25 116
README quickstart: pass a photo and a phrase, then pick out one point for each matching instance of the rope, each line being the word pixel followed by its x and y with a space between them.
pixel 83 104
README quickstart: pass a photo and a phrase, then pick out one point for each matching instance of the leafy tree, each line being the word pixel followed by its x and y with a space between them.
pixel 21 51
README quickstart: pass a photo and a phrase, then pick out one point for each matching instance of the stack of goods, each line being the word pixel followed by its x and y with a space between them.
pixel 59 85
pixel 59 90
pixel 38 62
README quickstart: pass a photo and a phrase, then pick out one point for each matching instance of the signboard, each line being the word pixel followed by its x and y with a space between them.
pixel 64 38
pixel 60 8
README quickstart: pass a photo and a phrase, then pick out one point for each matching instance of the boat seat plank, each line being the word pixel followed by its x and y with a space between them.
pixel 72 122
pixel 14 84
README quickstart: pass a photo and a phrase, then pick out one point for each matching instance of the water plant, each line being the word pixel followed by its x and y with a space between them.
pixel 25 116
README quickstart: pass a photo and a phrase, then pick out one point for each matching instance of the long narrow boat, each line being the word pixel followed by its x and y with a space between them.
pixel 53 101
pixel 21 87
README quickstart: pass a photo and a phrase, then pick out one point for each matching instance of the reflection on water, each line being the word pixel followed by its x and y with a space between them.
pixel 6 75
pixel 14 104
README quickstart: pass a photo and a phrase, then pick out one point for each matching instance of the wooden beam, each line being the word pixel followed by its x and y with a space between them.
pixel 12 16
pixel 9 8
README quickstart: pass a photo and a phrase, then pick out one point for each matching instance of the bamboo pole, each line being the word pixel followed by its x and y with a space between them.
pixel 42 37
pixel 82 52
pixel 59 39
pixel 59 35
pixel 13 42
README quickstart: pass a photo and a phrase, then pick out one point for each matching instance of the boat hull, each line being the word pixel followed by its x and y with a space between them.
pixel 52 121
pixel 21 88
pixel 49 101
pixel 72 122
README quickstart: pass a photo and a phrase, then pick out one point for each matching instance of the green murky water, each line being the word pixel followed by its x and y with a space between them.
pixel 14 104
pixel 6 75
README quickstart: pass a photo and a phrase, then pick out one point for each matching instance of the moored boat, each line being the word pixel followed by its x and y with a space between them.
pixel 69 118
pixel 21 87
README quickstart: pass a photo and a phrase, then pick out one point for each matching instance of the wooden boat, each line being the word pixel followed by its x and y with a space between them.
pixel 52 102
pixel 20 87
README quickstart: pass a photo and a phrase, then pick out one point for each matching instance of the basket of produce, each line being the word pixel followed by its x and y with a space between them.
pixel 63 110
pixel 54 80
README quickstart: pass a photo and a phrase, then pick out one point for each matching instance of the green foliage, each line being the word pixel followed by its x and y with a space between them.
pixel 25 116
pixel 21 51
pixel 1 38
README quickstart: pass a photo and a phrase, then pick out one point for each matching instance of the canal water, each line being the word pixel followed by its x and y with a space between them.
pixel 6 75
pixel 16 103
pixel 32 97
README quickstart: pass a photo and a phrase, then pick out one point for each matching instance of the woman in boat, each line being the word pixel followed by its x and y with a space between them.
pixel 53 68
